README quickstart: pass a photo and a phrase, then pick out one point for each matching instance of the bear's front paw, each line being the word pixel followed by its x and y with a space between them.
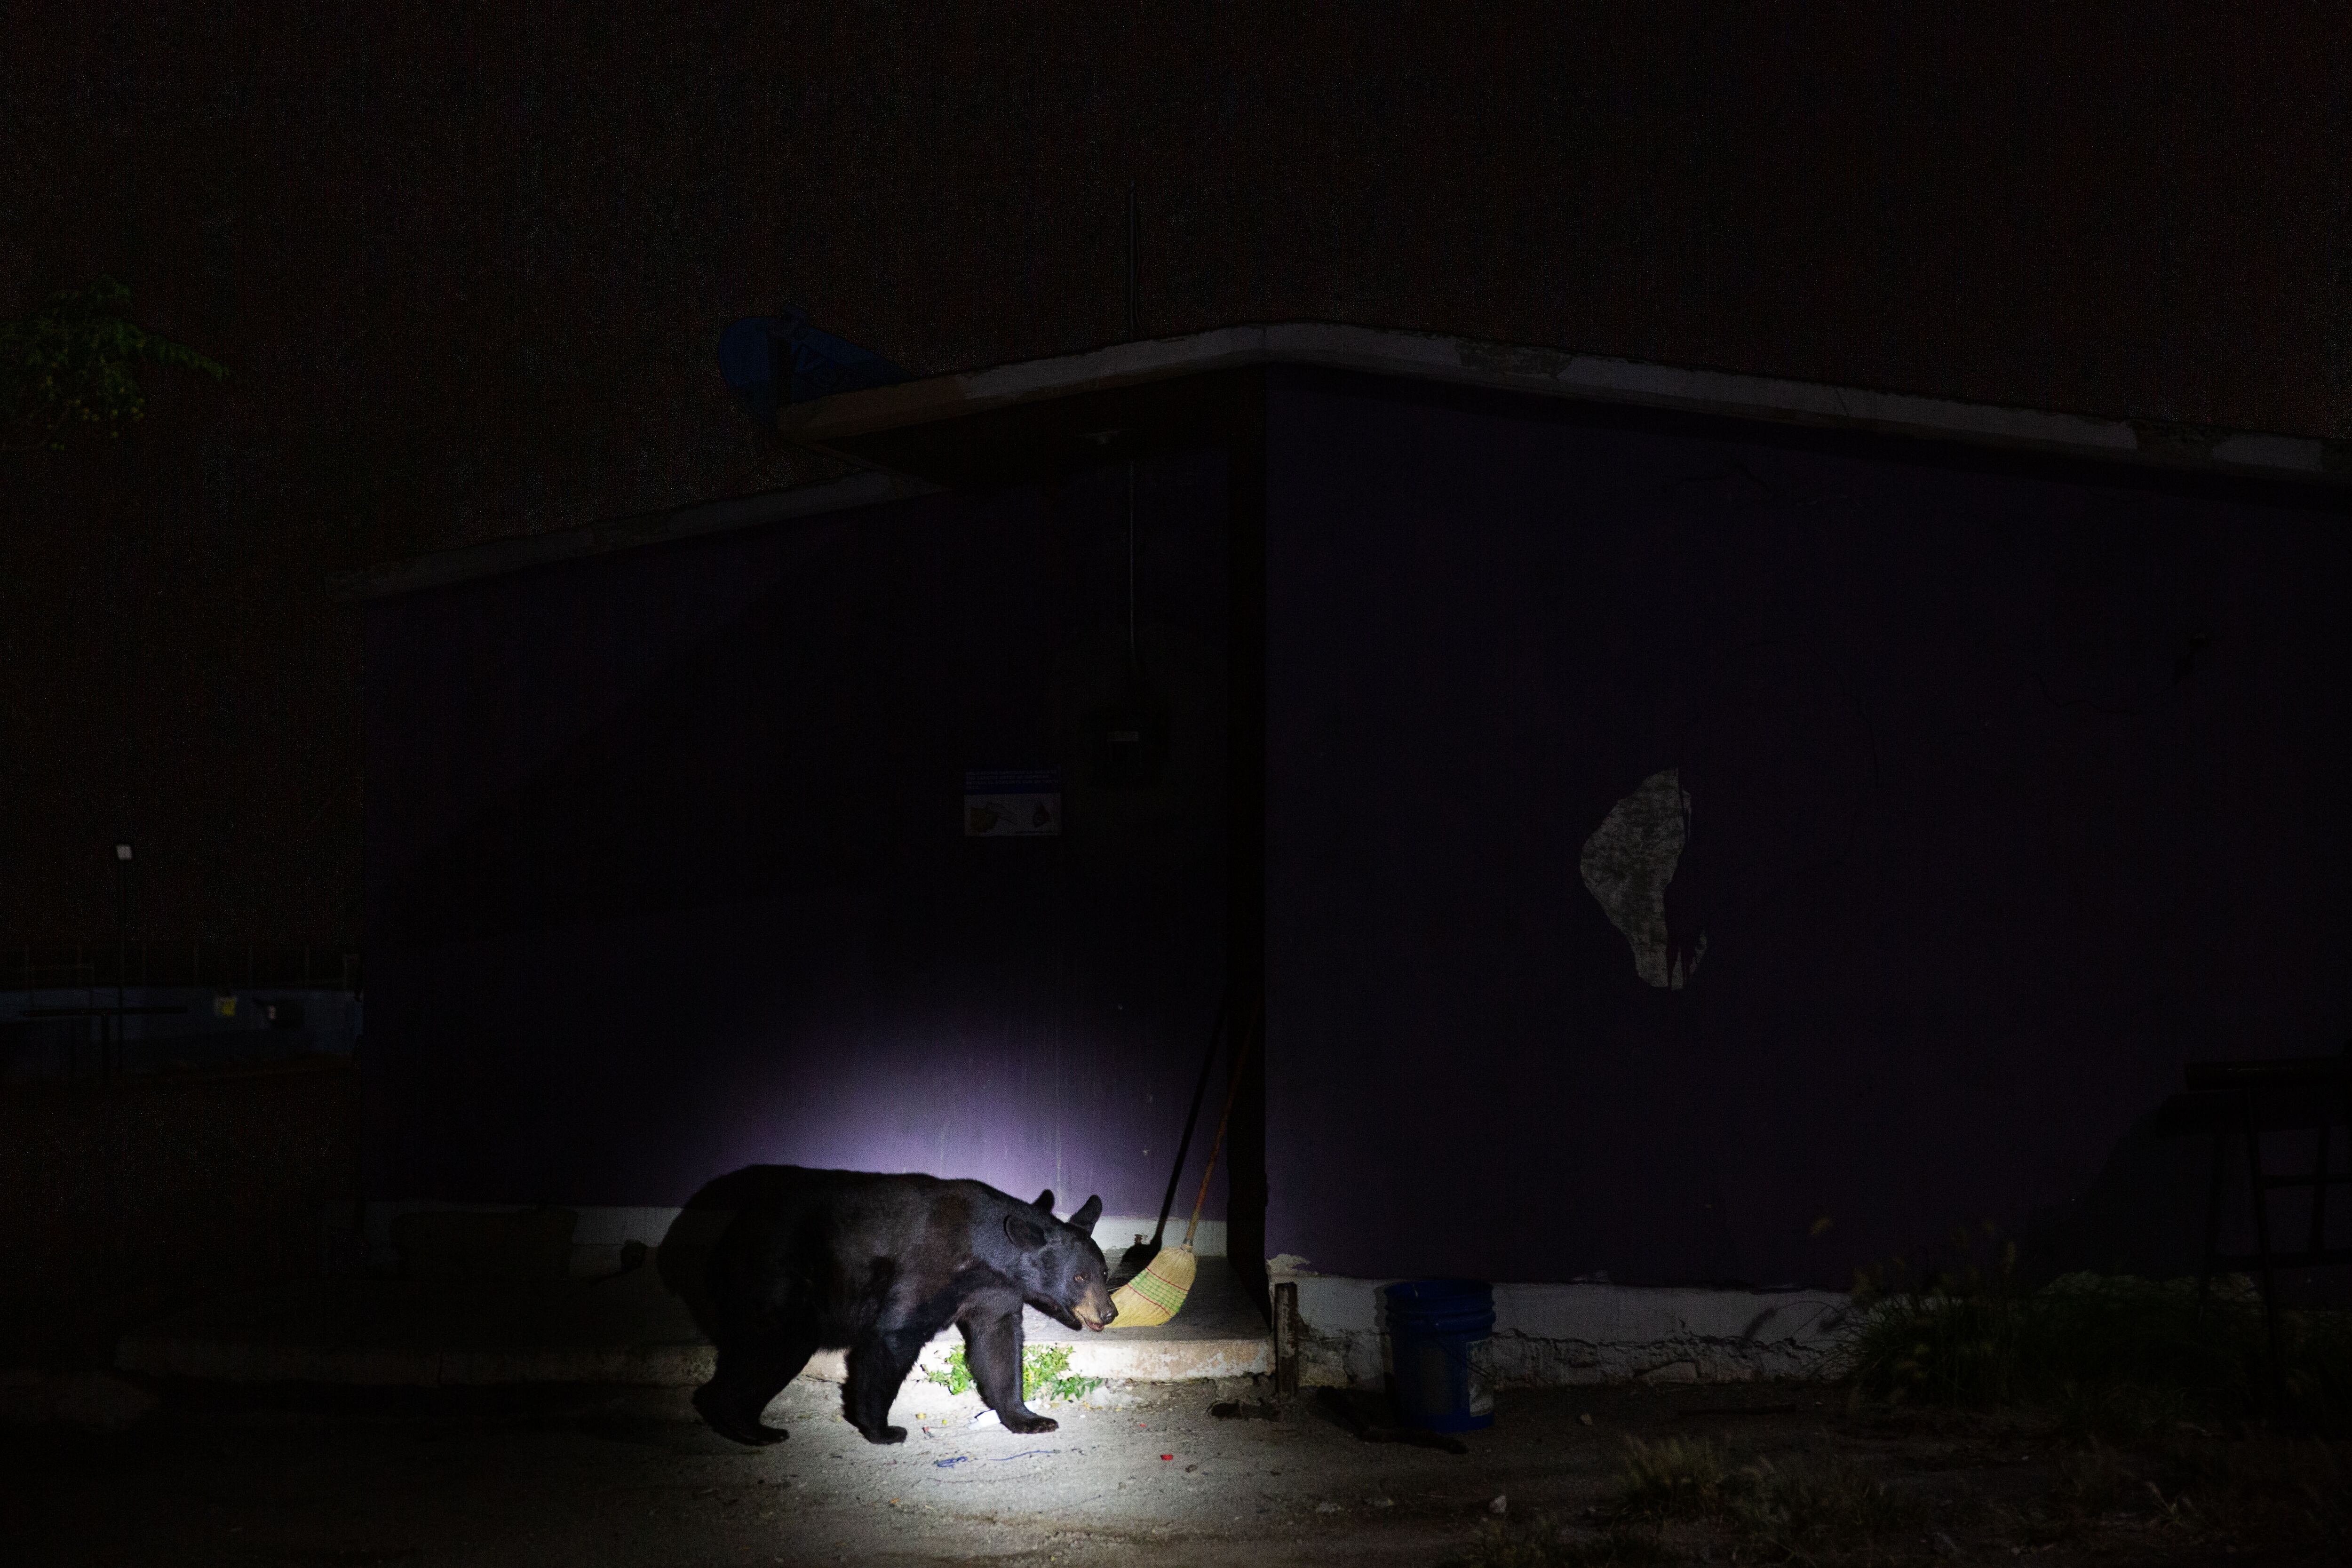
pixel 1029 1421
pixel 886 1434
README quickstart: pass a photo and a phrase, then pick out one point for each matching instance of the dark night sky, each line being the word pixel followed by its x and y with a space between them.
pixel 469 273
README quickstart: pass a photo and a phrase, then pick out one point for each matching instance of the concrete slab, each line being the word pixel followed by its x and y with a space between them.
pixel 624 1329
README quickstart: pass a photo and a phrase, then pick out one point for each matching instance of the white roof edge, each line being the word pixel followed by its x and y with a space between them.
pixel 1515 367
pixel 502 555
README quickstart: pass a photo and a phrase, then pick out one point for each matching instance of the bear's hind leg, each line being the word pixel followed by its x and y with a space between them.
pixel 752 1372
pixel 878 1365
pixel 992 1351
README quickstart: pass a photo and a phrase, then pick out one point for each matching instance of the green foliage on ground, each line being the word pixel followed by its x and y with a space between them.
pixel 2110 1354
pixel 69 366
pixel 2160 1407
pixel 1045 1375
pixel 1045 1370
pixel 955 1377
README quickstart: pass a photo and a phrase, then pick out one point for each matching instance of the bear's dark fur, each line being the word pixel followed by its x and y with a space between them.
pixel 777 1262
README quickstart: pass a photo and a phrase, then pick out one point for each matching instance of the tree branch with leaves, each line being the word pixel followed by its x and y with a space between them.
pixel 68 367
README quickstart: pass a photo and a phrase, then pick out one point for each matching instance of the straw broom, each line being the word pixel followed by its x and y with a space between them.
pixel 1157 1294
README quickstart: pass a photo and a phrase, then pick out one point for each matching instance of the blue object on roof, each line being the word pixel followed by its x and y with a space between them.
pixel 770 360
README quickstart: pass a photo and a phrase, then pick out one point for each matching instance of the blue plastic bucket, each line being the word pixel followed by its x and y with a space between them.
pixel 1438 1335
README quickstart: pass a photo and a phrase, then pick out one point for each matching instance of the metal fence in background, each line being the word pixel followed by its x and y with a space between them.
pixel 229 965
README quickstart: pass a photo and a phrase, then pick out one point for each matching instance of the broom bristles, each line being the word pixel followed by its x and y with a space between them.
pixel 1157 1294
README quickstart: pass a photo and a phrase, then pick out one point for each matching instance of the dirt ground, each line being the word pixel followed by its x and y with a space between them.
pixel 586 1478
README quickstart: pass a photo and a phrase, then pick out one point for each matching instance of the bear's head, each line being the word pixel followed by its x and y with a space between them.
pixel 1061 1269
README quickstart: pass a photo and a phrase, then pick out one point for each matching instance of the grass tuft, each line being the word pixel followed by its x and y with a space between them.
pixel 1804 1510
pixel 1814 1509
pixel 1539 1543
pixel 1671 1478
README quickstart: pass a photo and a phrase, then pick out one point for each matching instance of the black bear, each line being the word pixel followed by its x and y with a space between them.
pixel 777 1262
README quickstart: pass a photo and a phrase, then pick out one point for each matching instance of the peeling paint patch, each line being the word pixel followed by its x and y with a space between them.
pixel 1627 864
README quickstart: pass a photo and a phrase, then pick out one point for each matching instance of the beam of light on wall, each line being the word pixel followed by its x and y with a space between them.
pixel 1020 1105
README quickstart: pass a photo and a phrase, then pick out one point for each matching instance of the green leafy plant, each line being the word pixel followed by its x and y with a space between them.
pixel 69 366
pixel 955 1377
pixel 2111 1356
pixel 1045 1370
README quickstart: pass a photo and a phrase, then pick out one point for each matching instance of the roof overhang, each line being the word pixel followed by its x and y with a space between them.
pixel 860 425
pixel 1013 421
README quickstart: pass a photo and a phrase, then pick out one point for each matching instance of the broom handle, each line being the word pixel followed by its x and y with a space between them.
pixel 1249 1044
pixel 1192 1120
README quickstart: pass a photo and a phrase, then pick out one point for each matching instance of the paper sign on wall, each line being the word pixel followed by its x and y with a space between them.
pixel 1012 804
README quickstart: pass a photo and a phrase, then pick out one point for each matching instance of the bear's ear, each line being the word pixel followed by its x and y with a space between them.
pixel 1044 1204
pixel 1088 1212
pixel 1023 1232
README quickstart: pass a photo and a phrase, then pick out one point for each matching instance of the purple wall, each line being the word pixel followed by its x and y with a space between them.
pixel 2015 786
pixel 1983 847
pixel 666 873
